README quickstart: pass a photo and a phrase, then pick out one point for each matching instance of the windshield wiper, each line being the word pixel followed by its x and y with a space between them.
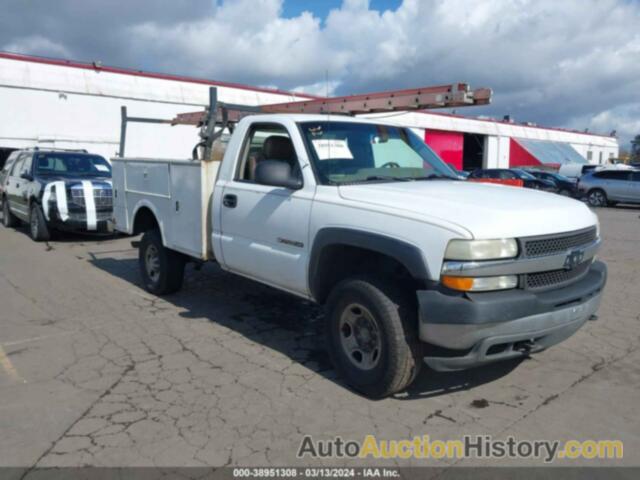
pixel 386 177
pixel 435 176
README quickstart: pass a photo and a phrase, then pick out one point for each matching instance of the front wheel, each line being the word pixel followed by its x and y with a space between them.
pixel 9 220
pixel 37 225
pixel 597 198
pixel 371 329
pixel 162 269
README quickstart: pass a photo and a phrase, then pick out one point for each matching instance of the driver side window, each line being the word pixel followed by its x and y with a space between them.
pixel 16 170
pixel 26 165
pixel 266 142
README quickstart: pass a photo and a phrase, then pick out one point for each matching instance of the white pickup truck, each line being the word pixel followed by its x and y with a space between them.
pixel 413 264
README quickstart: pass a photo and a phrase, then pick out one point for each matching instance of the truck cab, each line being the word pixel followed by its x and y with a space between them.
pixel 413 264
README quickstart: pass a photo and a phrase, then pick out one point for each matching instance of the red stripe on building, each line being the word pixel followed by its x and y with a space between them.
pixel 519 157
pixel 448 145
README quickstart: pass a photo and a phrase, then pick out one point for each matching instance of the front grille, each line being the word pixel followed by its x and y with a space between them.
pixel 555 278
pixel 102 197
pixel 541 247
pixel 82 217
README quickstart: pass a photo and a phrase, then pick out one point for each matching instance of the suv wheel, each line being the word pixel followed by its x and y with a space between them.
pixel 9 220
pixel 597 198
pixel 162 269
pixel 37 224
pixel 371 329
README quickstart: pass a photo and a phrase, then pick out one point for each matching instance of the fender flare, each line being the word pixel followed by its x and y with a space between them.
pixel 404 253
pixel 146 204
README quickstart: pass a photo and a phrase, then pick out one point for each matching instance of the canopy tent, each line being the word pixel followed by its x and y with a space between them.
pixel 525 152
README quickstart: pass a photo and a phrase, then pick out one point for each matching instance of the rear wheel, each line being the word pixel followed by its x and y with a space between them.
pixel 9 220
pixel 597 198
pixel 37 224
pixel 162 269
pixel 372 336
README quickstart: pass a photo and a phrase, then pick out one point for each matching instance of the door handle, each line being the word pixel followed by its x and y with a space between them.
pixel 230 201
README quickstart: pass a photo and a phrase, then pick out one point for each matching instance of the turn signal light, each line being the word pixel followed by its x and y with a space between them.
pixel 458 283
pixel 480 284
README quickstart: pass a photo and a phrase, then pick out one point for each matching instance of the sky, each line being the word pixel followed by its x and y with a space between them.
pixel 563 63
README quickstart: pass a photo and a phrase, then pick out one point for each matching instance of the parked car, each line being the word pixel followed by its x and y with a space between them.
pixel 529 181
pixel 402 253
pixel 608 187
pixel 54 189
pixel 564 186
pixel 576 170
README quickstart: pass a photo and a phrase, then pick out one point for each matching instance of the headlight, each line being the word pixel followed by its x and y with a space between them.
pixel 480 284
pixel 481 249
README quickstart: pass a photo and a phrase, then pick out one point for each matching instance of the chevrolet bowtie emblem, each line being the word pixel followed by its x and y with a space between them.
pixel 573 259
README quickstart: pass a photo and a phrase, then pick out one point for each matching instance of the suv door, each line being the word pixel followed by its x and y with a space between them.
pixel 617 184
pixel 24 184
pixel 264 229
pixel 4 173
pixel 13 188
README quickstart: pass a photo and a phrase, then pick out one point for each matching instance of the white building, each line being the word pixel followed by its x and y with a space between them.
pixel 65 104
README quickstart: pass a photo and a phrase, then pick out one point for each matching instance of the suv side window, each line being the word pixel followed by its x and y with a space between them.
pixel 26 164
pixel 17 166
pixel 10 161
pixel 636 177
pixel 613 175
pixel 265 142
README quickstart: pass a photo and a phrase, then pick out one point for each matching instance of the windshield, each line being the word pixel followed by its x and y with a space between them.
pixel 346 152
pixel 72 165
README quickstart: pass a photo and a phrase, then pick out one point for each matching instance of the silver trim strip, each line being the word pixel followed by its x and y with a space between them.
pixel 516 266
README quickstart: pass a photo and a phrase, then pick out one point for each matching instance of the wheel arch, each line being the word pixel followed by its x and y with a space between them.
pixel 340 252
pixel 145 217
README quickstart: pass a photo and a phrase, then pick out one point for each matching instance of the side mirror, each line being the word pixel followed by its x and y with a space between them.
pixel 27 176
pixel 277 173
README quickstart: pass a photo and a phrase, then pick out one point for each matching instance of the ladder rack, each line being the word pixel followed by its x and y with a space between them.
pixel 225 115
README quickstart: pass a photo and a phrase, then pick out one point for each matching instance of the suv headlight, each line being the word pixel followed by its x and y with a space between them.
pixel 481 249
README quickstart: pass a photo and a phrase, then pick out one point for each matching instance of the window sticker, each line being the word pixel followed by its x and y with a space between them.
pixel 101 168
pixel 331 149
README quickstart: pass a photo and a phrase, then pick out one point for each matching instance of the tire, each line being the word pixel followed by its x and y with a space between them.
pixel 365 314
pixel 597 198
pixel 162 269
pixel 38 230
pixel 9 220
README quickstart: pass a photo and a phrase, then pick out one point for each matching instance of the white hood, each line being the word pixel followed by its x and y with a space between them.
pixel 485 210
